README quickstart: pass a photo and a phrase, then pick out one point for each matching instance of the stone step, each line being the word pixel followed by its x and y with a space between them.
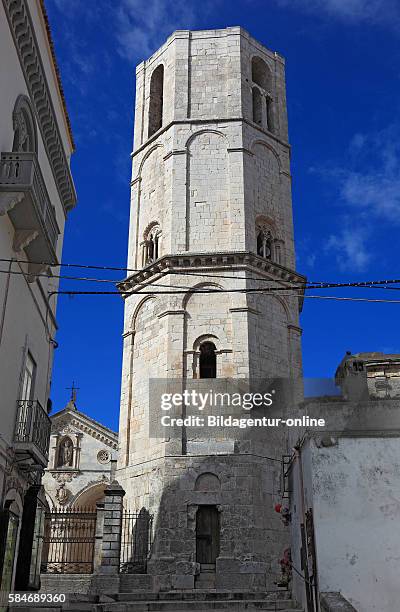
pixel 186 606
pixel 194 594
pixel 205 581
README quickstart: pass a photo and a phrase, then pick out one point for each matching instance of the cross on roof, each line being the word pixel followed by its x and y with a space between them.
pixel 73 390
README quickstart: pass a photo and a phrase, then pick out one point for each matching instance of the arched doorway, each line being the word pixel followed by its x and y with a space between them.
pixel 89 497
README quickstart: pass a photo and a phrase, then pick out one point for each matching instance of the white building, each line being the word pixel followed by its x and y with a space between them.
pixel 36 194
pixel 344 484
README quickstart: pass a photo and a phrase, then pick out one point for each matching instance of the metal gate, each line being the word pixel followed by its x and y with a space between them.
pixel 136 541
pixel 69 541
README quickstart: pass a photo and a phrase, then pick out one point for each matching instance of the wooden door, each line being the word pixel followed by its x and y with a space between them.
pixel 207 534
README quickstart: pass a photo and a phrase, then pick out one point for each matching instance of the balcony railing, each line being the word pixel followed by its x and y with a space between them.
pixel 27 202
pixel 32 431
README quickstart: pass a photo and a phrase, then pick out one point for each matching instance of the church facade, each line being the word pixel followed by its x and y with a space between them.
pixel 82 460
pixel 211 211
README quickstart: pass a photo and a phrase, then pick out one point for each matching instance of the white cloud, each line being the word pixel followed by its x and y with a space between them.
pixel 349 247
pixel 369 179
pixel 143 25
pixel 373 183
pixel 385 12
pixel 368 188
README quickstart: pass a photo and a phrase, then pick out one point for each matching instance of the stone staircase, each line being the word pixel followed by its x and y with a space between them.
pixel 196 600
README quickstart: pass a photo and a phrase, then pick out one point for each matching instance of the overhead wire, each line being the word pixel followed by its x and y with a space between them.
pixel 379 284
pixel 196 273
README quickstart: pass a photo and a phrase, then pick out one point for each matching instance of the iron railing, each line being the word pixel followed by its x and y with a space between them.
pixel 33 425
pixel 136 541
pixel 21 172
pixel 69 541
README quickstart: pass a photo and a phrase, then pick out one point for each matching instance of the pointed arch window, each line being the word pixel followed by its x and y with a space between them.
pixel 208 360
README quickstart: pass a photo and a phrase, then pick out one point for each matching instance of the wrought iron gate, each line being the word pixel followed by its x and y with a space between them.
pixel 69 541
pixel 136 541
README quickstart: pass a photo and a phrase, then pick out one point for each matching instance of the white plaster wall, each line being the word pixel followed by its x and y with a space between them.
pixel 25 314
pixel 356 493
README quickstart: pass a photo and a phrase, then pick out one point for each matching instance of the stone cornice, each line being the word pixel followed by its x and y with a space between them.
pixel 84 424
pixel 22 30
pixel 211 121
pixel 226 261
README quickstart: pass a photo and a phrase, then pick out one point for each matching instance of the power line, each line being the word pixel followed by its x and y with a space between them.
pixel 373 284
pixel 310 284
pixel 263 291
pixel 72 265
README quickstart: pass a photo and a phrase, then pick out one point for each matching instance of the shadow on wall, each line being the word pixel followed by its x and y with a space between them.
pixel 215 522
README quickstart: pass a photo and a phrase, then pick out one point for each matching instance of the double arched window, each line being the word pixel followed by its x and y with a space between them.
pixel 151 244
pixel 264 243
pixel 262 94
pixel 268 246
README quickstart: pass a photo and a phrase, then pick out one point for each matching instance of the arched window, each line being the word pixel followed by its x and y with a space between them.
pixel 156 100
pixel 151 244
pixel 261 94
pixel 25 131
pixel 261 74
pixel 207 482
pixel 65 453
pixel 208 360
pixel 264 243
pixel 257 106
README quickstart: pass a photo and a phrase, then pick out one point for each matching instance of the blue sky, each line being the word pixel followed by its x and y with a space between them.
pixel 343 88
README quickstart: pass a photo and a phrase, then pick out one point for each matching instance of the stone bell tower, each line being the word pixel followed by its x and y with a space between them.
pixel 210 208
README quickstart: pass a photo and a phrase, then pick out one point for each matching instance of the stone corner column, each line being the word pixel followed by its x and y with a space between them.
pixel 106 576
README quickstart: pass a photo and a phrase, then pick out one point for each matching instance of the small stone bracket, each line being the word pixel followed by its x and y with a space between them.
pixel 22 238
pixel 10 199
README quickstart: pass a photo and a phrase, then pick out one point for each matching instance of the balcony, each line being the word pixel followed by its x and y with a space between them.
pixel 23 195
pixel 32 433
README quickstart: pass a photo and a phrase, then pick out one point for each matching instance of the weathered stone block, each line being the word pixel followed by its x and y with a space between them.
pixel 181 581
pixel 187 568
pixel 165 565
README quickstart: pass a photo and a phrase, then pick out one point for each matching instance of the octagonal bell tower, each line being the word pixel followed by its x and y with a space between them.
pixel 210 208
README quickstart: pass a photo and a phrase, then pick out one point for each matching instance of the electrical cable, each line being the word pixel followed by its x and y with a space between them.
pixel 264 291
pixel 364 284
pixel 194 273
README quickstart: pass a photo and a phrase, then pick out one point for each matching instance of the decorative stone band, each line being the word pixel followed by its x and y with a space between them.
pixel 205 121
pixel 213 261
pixel 21 27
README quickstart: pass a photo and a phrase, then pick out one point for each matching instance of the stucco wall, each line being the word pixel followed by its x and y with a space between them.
pixel 356 491
pixel 25 314
pixel 351 482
